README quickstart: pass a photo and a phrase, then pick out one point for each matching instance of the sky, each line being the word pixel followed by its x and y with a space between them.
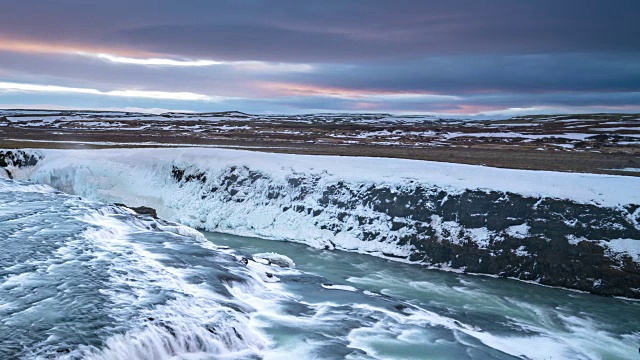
pixel 469 58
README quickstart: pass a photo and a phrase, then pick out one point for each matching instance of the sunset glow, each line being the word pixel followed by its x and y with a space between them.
pixel 413 57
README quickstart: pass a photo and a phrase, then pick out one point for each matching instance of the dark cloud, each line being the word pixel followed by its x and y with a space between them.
pixel 488 73
pixel 491 53
pixel 332 30
pixel 454 75
pixel 380 31
pixel 79 71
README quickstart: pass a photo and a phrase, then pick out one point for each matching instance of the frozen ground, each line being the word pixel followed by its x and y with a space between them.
pixel 583 133
pixel 599 143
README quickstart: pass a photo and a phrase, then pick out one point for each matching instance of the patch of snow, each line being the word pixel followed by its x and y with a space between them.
pixel 480 236
pixel 522 251
pixel 339 287
pixel 617 129
pixel 574 240
pixel 569 136
pixel 518 231
pixel 512 124
pixel 565 146
pixel 627 169
pixel 629 247
pixel 457 234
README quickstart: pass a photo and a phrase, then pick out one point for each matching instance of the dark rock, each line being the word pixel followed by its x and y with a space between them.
pixel 237 334
pixel 142 210
pixel 403 309
pixel 167 327
pixel 542 254
pixel 9 175
pixel 18 158
pixel 211 329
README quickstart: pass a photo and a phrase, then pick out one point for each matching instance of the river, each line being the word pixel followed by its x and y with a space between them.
pixel 86 280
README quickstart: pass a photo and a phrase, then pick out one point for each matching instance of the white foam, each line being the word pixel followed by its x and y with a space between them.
pixel 26 187
pixel 339 287
pixel 275 259
pixel 178 326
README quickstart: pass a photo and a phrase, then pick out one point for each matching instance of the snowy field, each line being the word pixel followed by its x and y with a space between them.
pixel 587 132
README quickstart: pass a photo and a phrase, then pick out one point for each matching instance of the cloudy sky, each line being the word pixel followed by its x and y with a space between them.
pixel 457 57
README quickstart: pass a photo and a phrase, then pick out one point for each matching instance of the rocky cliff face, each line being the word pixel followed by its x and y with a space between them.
pixel 551 241
pixel 556 242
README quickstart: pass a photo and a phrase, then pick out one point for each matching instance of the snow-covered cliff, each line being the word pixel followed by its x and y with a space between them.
pixel 579 231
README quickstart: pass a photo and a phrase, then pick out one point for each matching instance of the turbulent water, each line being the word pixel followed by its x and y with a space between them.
pixel 444 315
pixel 85 280
pixel 82 279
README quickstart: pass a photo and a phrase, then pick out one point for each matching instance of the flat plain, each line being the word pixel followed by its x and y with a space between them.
pixel 591 143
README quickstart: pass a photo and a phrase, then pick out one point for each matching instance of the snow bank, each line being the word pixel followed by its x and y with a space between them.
pixel 603 190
